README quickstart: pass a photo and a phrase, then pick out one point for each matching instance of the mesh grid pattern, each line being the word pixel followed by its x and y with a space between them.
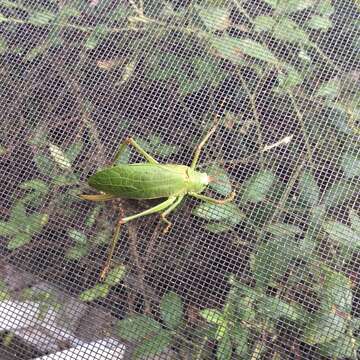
pixel 274 274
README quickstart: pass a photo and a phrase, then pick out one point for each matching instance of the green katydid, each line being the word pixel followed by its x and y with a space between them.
pixel 151 180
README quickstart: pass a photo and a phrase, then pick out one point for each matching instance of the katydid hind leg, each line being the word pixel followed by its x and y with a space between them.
pixel 114 241
pixel 141 151
pixel 138 148
pixel 171 208
pixel 169 203
pixel 120 151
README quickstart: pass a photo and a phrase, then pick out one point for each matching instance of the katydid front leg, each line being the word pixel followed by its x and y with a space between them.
pixel 193 166
pixel 157 208
pixel 212 200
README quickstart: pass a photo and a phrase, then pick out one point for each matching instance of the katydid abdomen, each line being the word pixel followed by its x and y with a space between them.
pixel 148 181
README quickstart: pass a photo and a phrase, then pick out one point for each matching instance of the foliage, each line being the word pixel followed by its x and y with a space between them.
pixel 151 336
pixel 101 290
pixel 267 72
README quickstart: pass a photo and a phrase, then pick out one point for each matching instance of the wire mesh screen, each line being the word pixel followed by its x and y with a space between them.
pixel 255 254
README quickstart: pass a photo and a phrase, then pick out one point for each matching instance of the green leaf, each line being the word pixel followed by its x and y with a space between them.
pixel 78 236
pixel 73 151
pixel 258 186
pixel 224 348
pixel 66 179
pixel 227 48
pixel 153 346
pixel 325 8
pixel 333 316
pixel 68 11
pixel 92 217
pixel 35 222
pixel 3 18
pixel 335 290
pixel 214 18
pixel 283 29
pixel 340 192
pixel 289 79
pixel 203 72
pixel 290 6
pixel 18 214
pixel 99 32
pixel 233 49
pixel 217 318
pixel 164 66
pixel 157 147
pixel 304 56
pixel 3 49
pixel 339 118
pixel 275 309
pixel 115 275
pixel 7 229
pixel 77 252
pixel 99 291
pixel 4 292
pixel 309 192
pixel 227 213
pixel 171 308
pixel 240 337
pixel 288 30
pixel 59 157
pixel 282 230
pixel 325 327
pixel 128 72
pixel 44 164
pixel 264 23
pixel 342 234
pixel 38 50
pixel 218 228
pixel 355 221
pixel 41 18
pixel 190 75
pixel 330 89
pixel 345 346
pixel 12 4
pixel 221 183
pixel 81 247
pixel 350 163
pixel 256 50
pixel 213 316
pixel 21 227
pixel 35 184
pixel 19 240
pixel 271 261
pixel 103 237
pixel 137 327
pixel 317 22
